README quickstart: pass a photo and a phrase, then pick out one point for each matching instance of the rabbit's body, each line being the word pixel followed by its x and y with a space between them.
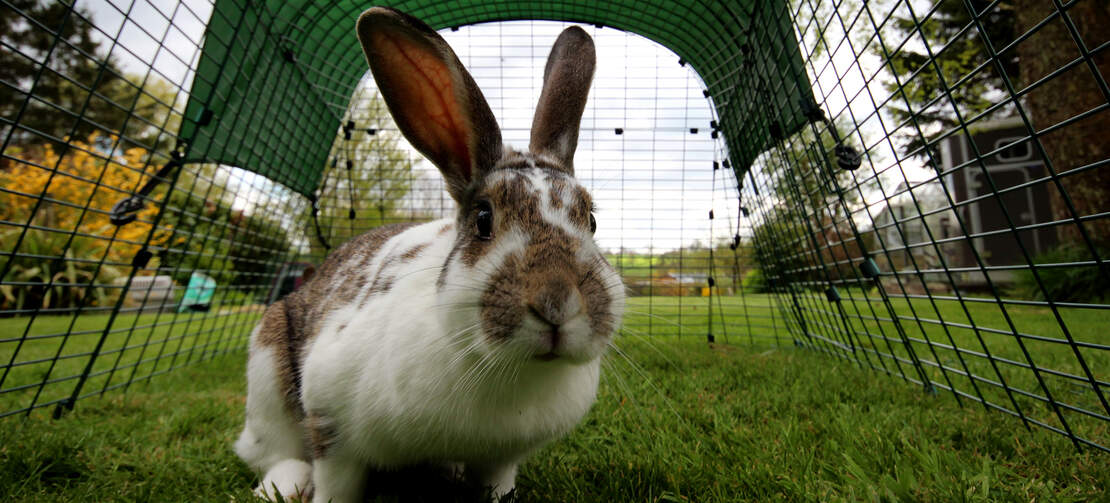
pixel 469 341
pixel 409 401
pixel 400 401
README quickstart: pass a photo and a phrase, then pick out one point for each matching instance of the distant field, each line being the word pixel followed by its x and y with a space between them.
pixel 139 345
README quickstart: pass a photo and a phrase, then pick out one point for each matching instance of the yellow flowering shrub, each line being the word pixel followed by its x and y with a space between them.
pixel 66 192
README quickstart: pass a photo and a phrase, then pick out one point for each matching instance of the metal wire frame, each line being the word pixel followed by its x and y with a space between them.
pixel 914 316
pixel 847 278
pixel 56 355
pixel 249 232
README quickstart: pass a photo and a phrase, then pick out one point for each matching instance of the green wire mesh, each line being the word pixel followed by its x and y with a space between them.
pixel 917 187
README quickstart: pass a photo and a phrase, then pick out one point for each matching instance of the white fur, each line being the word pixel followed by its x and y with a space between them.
pixel 408 380
pixel 289 478
pixel 271 442
pixel 407 374
pixel 409 377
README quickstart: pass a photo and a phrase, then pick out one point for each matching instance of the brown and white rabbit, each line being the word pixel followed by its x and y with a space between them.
pixel 470 341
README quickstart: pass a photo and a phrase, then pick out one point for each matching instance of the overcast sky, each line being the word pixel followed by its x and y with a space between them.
pixel 654 184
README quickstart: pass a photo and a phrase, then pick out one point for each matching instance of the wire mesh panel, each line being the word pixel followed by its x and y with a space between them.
pixel 124 260
pixel 92 299
pixel 915 186
pixel 943 220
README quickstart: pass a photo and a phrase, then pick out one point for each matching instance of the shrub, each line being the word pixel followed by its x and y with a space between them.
pixel 754 282
pixel 61 260
pixel 1064 283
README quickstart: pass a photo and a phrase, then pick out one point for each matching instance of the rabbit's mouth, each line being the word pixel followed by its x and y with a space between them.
pixel 568 340
pixel 546 357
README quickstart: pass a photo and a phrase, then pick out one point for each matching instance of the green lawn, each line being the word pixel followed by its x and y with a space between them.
pixel 676 420
pixel 48 363
pixel 979 331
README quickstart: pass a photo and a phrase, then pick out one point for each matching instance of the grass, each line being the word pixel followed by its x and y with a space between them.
pixel 935 331
pixel 676 420
pixel 48 362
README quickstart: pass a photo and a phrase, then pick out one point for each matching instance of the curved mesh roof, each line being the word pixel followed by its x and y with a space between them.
pixel 275 76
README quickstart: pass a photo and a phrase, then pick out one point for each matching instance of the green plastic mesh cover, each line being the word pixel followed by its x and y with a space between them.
pixel 275 77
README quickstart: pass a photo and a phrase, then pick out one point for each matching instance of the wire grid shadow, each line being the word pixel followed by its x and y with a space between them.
pixel 939 218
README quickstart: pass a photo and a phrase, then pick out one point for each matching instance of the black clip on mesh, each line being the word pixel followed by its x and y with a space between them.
pixel 123 212
pixel 847 157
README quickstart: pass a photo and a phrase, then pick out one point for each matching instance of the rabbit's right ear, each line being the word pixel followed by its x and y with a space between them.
pixel 566 85
pixel 433 99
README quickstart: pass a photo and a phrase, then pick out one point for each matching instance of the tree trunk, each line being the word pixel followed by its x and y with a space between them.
pixel 1065 96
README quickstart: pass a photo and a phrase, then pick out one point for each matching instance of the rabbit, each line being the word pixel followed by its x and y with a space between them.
pixel 468 342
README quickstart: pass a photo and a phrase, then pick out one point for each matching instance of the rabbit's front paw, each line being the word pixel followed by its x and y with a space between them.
pixel 289 479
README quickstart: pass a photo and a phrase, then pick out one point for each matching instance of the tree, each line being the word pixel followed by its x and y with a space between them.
pixel 57 69
pixel 686 270
pixel 60 84
pixel 257 240
pixel 915 77
pixel 1066 96
pixel 151 103
pixel 371 189
pixel 239 247
pixel 806 211
pixel 780 249
pixel 1046 49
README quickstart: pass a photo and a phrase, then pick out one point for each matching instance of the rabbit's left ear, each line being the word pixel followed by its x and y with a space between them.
pixel 566 85
pixel 433 99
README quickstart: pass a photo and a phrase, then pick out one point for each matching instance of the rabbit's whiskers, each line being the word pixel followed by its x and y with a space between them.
pixel 646 339
pixel 646 379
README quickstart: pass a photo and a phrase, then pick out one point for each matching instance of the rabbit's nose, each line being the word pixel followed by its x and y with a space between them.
pixel 556 304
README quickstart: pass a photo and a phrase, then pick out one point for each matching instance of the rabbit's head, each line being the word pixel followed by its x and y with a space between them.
pixel 524 276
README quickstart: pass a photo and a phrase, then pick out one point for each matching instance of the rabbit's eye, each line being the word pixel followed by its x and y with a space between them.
pixel 485 220
pixel 593 224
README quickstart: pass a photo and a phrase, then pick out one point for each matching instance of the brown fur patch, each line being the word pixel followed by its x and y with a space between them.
pixel 383 281
pixel 414 252
pixel 559 186
pixel 382 284
pixel 291 323
pixel 541 280
pixel 441 281
pixel 513 159
pixel 580 207
pixel 514 202
pixel 322 433
pixel 502 309
pixel 275 333
pixel 472 250
pixel 552 271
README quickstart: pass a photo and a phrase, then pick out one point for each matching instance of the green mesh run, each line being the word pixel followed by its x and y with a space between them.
pixel 275 78
pixel 948 224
